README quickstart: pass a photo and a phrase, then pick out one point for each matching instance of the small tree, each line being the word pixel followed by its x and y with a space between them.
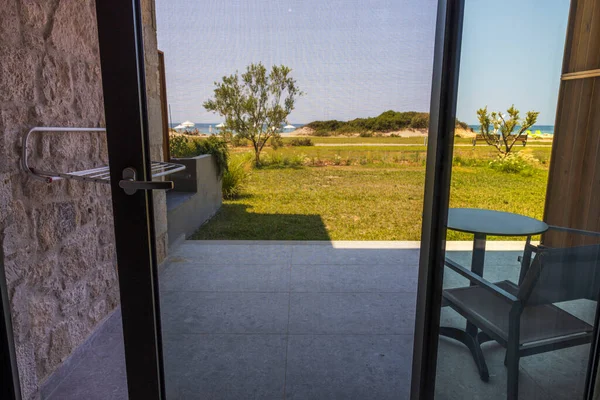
pixel 501 136
pixel 255 105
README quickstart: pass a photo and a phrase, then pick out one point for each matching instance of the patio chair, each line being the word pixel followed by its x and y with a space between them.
pixel 522 318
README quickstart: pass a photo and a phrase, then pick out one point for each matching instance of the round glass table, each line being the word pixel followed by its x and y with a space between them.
pixel 493 223
pixel 484 223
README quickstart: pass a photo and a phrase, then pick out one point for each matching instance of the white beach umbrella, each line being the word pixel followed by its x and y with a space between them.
pixel 221 125
pixel 289 127
pixel 188 124
pixel 180 126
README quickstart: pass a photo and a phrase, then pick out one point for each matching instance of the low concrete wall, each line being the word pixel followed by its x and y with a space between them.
pixel 196 198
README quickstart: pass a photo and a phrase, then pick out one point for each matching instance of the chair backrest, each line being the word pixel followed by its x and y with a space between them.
pixel 562 274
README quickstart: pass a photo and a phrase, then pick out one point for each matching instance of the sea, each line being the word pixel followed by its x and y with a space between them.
pixel 547 129
pixel 210 129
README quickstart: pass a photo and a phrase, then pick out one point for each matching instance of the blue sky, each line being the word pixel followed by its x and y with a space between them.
pixel 512 52
pixel 358 58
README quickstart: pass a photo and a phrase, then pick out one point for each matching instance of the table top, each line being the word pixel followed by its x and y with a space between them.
pixel 495 223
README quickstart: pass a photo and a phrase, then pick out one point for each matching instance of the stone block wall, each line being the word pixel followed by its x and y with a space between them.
pixel 155 120
pixel 58 239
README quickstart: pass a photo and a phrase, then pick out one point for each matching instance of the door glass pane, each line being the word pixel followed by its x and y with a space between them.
pixel 302 282
pixel 523 325
pixel 57 238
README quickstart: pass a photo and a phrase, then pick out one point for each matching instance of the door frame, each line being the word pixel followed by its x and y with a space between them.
pixel 9 375
pixel 120 37
pixel 444 91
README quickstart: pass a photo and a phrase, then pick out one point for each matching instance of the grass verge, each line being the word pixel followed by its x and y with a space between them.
pixel 378 196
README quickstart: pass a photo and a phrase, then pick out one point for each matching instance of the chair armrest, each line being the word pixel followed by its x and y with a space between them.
pixel 473 277
pixel 572 230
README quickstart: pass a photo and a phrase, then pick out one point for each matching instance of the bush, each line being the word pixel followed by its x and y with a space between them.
pixel 276 142
pixel 463 125
pixel 420 121
pixel 277 160
pixel 237 141
pixel 386 122
pixel 235 177
pixel 218 148
pixel 514 164
pixel 301 142
pixel 182 146
pixel 366 134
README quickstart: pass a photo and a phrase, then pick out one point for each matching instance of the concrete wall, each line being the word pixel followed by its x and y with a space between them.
pixel 197 196
pixel 58 239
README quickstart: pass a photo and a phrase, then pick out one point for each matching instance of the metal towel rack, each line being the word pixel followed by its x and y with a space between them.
pixel 98 175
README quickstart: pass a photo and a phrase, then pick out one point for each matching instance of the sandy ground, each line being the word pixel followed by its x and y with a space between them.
pixel 304 131
pixel 405 133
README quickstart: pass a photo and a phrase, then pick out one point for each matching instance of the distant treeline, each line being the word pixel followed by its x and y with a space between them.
pixel 388 121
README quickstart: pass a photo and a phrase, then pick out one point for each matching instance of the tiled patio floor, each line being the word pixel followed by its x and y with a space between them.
pixel 302 321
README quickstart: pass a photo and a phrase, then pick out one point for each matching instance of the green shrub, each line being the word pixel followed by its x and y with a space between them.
pixel 301 142
pixel 366 134
pixel 182 146
pixel 276 141
pixel 237 141
pixel 235 177
pixel 218 148
pixel 463 125
pixel 331 125
pixel 386 122
pixel 420 121
pixel 277 160
pixel 514 164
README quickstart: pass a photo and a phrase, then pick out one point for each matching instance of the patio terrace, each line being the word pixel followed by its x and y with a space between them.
pixel 308 320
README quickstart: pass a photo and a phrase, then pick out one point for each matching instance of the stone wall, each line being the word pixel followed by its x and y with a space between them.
pixel 155 120
pixel 58 238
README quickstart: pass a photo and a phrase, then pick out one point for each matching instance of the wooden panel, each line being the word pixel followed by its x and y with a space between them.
pixel 574 178
pixel 164 105
pixel 581 75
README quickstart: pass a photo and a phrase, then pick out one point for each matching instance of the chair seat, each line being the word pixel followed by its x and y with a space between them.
pixel 540 322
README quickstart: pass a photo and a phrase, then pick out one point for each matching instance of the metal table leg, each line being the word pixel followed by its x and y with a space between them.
pixel 473 343
pixel 477 262
pixel 471 337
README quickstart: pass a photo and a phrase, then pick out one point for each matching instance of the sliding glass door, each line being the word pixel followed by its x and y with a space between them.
pixel 502 312
pixel 508 293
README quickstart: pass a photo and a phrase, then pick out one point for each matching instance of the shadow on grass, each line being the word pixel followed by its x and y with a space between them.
pixel 234 221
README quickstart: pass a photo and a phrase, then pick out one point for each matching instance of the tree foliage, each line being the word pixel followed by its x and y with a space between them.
pixel 255 104
pixel 502 134
pixel 387 121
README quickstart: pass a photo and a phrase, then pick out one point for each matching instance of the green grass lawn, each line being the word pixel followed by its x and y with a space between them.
pixel 354 139
pixel 315 195
pixel 396 140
